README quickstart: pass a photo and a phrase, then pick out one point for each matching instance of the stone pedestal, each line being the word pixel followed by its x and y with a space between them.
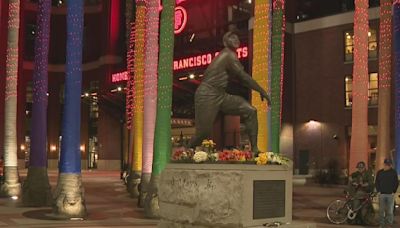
pixel 224 195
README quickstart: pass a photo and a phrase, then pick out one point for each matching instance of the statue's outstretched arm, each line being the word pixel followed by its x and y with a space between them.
pixel 236 68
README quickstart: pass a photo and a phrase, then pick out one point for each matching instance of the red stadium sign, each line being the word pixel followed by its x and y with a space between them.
pixel 204 59
pixel 119 77
pixel 180 19
pixel 187 63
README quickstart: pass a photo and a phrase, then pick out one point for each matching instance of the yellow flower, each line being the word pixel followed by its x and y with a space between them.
pixel 205 143
pixel 262 159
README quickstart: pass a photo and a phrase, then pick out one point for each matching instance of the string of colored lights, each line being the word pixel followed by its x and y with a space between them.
pixel 384 83
pixel 269 128
pixel 278 45
pixel 70 156
pixel 10 105
pixel 129 94
pixel 359 129
pixel 38 155
pixel 261 34
pixel 138 84
pixel 129 16
pixel 162 137
pixel 396 39
pixel 150 83
pixel 129 85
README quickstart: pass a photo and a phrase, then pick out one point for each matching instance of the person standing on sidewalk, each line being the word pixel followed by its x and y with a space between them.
pixel 386 184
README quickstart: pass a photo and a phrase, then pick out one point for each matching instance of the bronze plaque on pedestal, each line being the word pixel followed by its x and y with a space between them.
pixel 268 199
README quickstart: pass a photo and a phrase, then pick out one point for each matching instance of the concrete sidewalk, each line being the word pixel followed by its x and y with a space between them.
pixel 109 205
pixel 310 203
pixel 107 201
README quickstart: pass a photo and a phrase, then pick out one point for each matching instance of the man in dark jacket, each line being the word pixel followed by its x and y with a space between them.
pixel 386 184
pixel 210 97
pixel 361 182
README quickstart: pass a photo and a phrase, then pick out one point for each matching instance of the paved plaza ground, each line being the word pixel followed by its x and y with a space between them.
pixel 109 205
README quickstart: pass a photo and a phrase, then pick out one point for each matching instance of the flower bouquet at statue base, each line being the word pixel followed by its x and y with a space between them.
pixel 206 153
pixel 270 158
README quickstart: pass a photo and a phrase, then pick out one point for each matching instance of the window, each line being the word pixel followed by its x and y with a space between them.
pixel 29 93
pixel 372 90
pixel 348 90
pixel 372 44
pixel 94 105
pixel 349 45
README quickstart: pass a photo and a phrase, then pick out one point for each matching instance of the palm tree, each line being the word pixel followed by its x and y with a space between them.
pixel 162 137
pixel 359 126
pixel 11 186
pixel 36 188
pixel 396 33
pixel 129 9
pixel 129 86
pixel 261 46
pixel 278 36
pixel 385 65
pixel 69 197
pixel 138 84
pixel 150 94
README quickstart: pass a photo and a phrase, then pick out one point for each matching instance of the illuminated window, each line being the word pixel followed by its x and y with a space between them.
pixel 29 93
pixel 348 90
pixel 372 90
pixel 349 45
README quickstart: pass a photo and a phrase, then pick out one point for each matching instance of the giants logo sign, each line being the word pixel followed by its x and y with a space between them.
pixel 180 19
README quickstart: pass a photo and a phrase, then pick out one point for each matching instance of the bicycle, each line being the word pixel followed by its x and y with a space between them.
pixel 339 211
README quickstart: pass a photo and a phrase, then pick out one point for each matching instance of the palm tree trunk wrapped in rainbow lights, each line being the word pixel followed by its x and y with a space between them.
pixel 278 41
pixel 162 137
pixel 150 94
pixel 138 89
pixel 396 33
pixel 261 47
pixel 129 86
pixel 11 186
pixel 130 9
pixel 69 197
pixel 36 187
pixel 385 79
pixel 359 128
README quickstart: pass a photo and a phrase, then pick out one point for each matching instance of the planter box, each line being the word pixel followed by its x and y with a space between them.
pixel 225 195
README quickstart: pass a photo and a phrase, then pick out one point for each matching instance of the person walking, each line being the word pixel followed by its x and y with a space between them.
pixel 386 184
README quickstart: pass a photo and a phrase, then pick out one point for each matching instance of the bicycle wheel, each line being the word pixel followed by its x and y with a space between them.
pixel 337 212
